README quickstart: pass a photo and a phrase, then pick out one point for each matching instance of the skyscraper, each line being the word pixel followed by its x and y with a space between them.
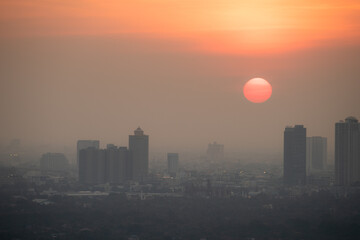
pixel 92 166
pixel 139 148
pixel 347 152
pixel 316 154
pixel 173 163
pixel 117 161
pixel 83 144
pixel 295 155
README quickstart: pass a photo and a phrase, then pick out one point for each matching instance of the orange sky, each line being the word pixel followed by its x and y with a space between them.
pixel 213 25
pixel 174 67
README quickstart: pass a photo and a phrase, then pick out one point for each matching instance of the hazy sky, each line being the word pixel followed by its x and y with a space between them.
pixel 91 69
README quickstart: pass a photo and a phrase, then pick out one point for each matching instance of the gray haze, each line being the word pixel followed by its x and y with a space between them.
pixel 56 90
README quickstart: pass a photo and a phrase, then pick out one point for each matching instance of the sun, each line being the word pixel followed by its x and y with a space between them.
pixel 257 90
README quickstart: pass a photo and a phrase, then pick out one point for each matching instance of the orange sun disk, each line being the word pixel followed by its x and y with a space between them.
pixel 257 90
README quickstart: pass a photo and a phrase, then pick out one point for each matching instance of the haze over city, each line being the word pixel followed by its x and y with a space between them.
pixel 169 119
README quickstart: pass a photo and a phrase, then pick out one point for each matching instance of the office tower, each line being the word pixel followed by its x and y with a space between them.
pixel 173 163
pixel 295 155
pixel 54 162
pixel 117 164
pixel 215 152
pixel 347 152
pixel 139 148
pixel 92 166
pixel 316 154
pixel 83 144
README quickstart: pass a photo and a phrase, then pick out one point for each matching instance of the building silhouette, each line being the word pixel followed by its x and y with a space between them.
pixel 295 155
pixel 118 161
pixel 347 152
pixel 139 148
pixel 83 144
pixel 114 164
pixel 92 166
pixel 316 154
pixel 110 165
pixel 173 163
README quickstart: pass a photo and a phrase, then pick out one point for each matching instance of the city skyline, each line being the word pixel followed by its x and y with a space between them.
pixel 155 151
pixel 179 119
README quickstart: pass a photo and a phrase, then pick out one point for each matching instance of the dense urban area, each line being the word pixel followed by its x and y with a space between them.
pixel 112 193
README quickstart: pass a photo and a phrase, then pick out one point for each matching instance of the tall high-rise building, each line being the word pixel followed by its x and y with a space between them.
pixel 295 155
pixel 139 148
pixel 347 152
pixel 83 144
pixel 118 160
pixel 316 154
pixel 173 163
pixel 92 166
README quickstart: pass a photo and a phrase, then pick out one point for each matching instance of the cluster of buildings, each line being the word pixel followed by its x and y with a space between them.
pixel 305 155
pixel 114 164
pixel 305 158
pixel 118 164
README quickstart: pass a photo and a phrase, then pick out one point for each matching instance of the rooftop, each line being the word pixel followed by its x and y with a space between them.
pixel 351 119
pixel 139 132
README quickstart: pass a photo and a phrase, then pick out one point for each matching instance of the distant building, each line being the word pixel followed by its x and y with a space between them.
pixel 110 165
pixel 119 167
pixel 54 162
pixel 173 163
pixel 83 144
pixel 114 164
pixel 295 155
pixel 215 152
pixel 139 148
pixel 92 166
pixel 347 152
pixel 316 154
